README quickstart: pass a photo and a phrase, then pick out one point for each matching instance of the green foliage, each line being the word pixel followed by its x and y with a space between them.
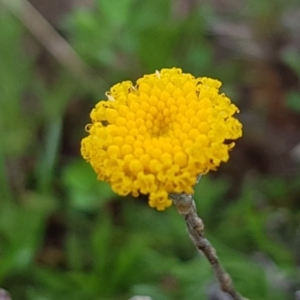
pixel 293 100
pixel 84 190
pixel 65 235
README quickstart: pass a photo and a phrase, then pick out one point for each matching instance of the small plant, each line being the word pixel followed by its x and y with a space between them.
pixel 157 138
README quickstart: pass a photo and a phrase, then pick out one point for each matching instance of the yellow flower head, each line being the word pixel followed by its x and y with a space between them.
pixel 158 136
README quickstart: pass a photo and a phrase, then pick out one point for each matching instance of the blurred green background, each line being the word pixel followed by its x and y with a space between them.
pixel 63 234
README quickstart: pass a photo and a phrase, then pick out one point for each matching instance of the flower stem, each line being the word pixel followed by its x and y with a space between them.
pixel 186 206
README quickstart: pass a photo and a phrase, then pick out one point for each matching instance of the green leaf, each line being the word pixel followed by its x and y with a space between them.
pixel 84 190
pixel 116 13
pixel 293 100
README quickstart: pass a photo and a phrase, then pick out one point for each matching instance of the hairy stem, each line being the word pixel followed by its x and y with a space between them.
pixel 186 206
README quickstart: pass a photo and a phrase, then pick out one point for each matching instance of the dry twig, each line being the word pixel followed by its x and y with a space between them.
pixel 44 32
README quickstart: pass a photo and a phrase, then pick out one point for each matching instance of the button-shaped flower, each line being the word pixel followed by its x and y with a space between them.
pixel 158 136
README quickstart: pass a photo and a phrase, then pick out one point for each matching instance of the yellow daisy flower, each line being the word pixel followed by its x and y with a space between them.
pixel 158 136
